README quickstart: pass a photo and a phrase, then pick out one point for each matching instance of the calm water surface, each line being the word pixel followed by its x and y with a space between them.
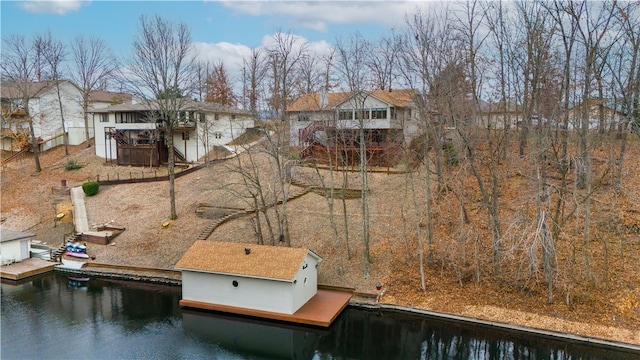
pixel 52 317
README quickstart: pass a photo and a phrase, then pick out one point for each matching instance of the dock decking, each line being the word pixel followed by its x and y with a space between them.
pixel 321 310
pixel 26 268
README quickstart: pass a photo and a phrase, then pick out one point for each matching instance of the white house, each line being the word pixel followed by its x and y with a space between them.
pixel 133 134
pixel 332 122
pixel 265 278
pixel 45 112
pixel 14 245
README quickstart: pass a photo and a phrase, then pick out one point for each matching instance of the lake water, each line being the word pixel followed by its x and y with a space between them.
pixel 53 317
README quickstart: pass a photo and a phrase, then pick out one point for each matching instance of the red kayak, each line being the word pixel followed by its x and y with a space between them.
pixel 78 255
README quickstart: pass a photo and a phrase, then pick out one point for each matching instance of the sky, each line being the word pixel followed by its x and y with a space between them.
pixel 221 30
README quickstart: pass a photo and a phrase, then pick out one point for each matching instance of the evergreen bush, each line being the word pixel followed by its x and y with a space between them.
pixel 90 187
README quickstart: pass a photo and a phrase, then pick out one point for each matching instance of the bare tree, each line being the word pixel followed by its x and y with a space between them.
pixel 471 22
pixel 626 75
pixel 93 65
pixel 351 65
pixel 591 30
pixel 382 61
pixel 19 68
pixel 426 46
pixel 54 53
pixel 284 55
pixel 160 72
pixel 310 75
pixel 253 73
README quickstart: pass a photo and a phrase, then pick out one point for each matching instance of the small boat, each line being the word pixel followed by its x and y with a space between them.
pixel 78 279
pixel 76 248
pixel 76 254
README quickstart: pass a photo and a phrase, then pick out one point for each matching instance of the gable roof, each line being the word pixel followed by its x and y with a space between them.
pixel 263 261
pixel 7 235
pixel 311 102
pixel 110 96
pixel 11 90
pixel 399 98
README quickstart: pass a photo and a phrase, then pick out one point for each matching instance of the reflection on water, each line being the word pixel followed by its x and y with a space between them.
pixel 252 336
pixel 54 317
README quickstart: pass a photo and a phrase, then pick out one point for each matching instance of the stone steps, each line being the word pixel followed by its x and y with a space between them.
pixel 204 235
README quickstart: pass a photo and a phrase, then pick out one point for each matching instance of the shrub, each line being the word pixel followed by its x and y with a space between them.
pixel 451 154
pixel 90 188
pixel 72 165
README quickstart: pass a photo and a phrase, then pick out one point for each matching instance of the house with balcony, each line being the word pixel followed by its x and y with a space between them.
pixel 135 134
pixel 326 125
pixel 45 113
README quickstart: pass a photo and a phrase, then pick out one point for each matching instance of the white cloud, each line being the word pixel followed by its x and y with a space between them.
pixel 58 7
pixel 232 55
pixel 317 14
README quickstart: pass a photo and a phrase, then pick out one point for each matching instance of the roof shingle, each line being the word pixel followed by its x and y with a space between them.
pixel 272 262
pixel 311 102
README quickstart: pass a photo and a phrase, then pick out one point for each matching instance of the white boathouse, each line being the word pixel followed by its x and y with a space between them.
pixel 261 278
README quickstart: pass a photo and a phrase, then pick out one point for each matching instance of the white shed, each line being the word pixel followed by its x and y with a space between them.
pixel 14 245
pixel 258 277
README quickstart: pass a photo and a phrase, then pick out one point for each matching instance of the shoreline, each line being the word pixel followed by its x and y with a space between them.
pixel 370 301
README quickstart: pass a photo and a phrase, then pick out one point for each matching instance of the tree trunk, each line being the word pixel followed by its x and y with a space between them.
pixel 364 175
pixel 172 176
pixel 65 137
pixel 35 146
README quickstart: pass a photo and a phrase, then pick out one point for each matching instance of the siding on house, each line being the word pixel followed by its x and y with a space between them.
pixel 213 125
pixel 325 107
pixel 45 111
pixel 14 245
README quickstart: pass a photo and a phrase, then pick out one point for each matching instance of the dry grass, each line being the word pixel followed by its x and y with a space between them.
pixel 30 202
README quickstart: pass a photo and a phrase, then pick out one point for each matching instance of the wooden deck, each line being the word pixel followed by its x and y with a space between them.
pixel 321 310
pixel 26 268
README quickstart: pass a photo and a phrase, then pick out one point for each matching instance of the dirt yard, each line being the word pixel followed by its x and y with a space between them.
pixel 30 202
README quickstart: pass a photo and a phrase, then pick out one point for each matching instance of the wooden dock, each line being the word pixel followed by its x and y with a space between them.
pixel 321 310
pixel 26 268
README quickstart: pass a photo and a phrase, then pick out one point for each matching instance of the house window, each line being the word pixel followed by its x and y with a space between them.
pixel 128 118
pixel 43 102
pixel 303 117
pixel 380 113
pixel 363 114
pixel 185 136
pixel 345 114
pixel 104 117
pixel 233 117
pixel 218 135
pixel 202 118
pixel 216 116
